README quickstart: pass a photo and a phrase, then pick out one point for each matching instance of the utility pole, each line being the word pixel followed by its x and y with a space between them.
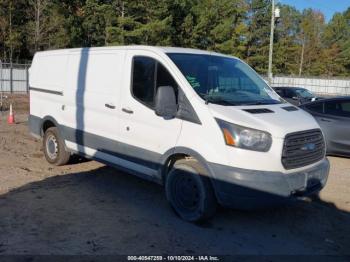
pixel 269 73
pixel 275 13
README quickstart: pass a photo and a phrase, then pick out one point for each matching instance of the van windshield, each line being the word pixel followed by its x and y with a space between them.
pixel 224 80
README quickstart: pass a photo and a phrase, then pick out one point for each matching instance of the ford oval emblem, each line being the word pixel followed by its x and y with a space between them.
pixel 308 147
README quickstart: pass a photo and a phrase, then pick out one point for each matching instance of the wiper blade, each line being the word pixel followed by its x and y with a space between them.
pixel 217 100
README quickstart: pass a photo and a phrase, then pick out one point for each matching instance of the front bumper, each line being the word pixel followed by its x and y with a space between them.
pixel 243 188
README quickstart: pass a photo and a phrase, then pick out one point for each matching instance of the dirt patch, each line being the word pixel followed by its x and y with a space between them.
pixel 88 208
pixel 20 102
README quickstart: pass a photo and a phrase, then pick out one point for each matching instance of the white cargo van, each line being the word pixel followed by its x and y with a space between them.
pixel 203 124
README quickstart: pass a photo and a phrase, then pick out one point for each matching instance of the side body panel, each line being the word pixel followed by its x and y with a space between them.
pixel 47 80
pixel 92 90
pixel 335 127
pixel 337 133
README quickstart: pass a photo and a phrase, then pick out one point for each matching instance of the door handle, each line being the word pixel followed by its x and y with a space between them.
pixel 325 120
pixel 110 106
pixel 128 111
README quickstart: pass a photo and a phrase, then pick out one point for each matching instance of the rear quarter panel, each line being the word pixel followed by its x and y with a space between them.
pixel 47 78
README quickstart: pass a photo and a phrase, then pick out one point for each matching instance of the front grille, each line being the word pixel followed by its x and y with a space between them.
pixel 303 148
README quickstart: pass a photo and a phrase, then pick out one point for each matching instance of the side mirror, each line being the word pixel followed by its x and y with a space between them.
pixel 165 102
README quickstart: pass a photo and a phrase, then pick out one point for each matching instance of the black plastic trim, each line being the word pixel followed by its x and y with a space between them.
pixel 46 91
pixel 186 111
pixel 258 110
pixel 290 108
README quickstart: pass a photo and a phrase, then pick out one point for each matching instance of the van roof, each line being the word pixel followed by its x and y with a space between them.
pixel 162 49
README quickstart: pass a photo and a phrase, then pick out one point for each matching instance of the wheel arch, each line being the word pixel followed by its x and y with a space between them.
pixel 47 122
pixel 174 154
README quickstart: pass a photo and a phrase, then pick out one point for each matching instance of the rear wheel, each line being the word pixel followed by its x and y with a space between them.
pixel 189 191
pixel 54 148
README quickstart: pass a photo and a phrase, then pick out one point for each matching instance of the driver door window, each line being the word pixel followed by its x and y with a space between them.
pixel 148 74
pixel 143 79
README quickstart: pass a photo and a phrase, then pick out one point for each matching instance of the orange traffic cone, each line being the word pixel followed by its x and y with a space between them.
pixel 11 117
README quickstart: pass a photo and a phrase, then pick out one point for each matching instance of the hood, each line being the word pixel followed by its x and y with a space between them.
pixel 282 120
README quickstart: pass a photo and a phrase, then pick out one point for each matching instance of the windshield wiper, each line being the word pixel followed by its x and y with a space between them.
pixel 217 100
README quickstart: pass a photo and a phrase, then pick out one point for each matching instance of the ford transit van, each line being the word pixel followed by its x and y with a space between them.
pixel 204 125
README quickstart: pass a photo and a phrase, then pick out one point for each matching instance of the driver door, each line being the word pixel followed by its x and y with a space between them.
pixel 144 135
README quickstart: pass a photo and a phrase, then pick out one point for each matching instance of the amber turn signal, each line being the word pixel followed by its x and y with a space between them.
pixel 228 137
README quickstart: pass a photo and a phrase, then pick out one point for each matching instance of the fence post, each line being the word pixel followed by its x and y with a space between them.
pixel 1 83
pixel 27 78
pixel 11 78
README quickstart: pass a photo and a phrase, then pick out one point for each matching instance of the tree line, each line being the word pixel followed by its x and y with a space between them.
pixel 304 43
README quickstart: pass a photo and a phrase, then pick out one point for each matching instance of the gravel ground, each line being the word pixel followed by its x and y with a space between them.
pixel 89 208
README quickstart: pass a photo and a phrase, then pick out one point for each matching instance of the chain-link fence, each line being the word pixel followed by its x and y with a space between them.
pixel 322 86
pixel 14 78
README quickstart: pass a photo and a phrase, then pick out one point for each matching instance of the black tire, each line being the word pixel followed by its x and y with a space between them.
pixel 189 191
pixel 54 148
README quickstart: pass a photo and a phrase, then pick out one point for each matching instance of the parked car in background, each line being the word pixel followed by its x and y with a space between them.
pixel 333 115
pixel 296 95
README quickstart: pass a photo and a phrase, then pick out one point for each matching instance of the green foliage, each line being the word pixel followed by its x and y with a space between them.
pixel 286 55
pixel 303 42
pixel 258 34
pixel 336 40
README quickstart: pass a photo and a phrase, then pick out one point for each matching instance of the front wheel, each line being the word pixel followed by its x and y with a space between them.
pixel 189 191
pixel 54 148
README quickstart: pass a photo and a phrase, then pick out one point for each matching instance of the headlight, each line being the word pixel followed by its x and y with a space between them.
pixel 244 137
